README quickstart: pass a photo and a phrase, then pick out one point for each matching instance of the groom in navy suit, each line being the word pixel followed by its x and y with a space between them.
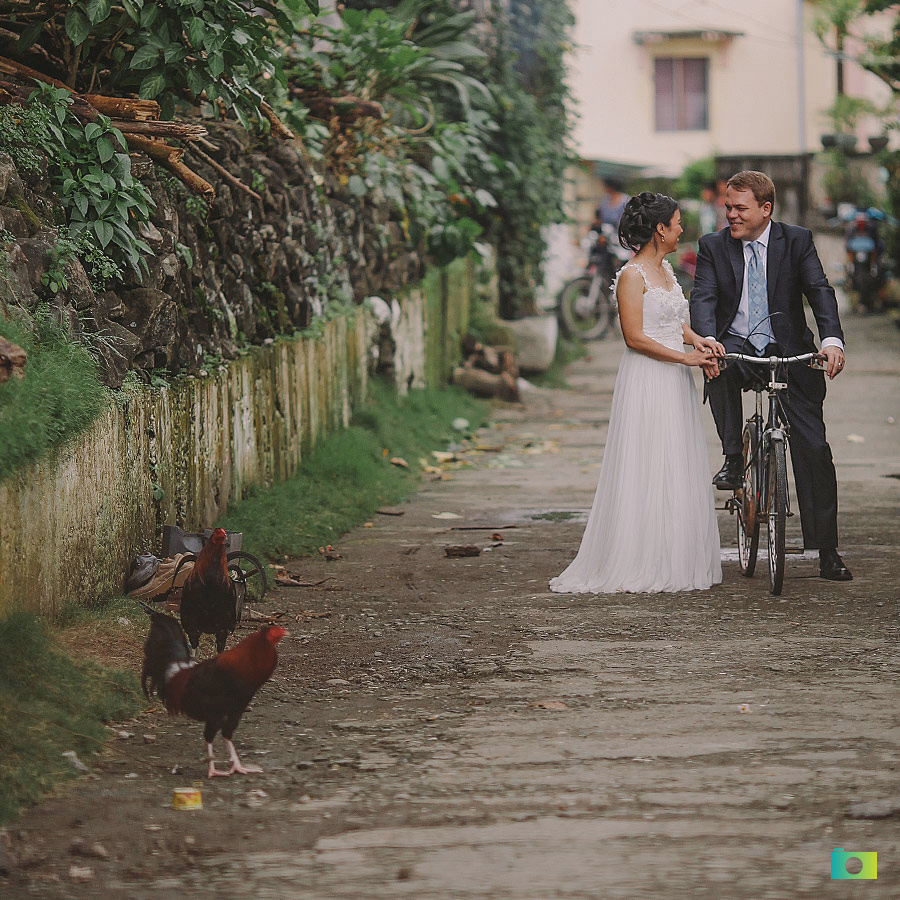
pixel 748 294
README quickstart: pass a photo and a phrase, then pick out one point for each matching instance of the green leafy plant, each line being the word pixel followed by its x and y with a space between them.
pixel 395 67
pixel 91 172
pixel 196 205
pixel 163 49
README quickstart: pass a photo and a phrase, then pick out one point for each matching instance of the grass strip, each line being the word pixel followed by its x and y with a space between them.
pixel 51 703
pixel 349 475
pixel 60 396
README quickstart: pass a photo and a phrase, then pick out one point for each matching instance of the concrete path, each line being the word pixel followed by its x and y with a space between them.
pixel 447 728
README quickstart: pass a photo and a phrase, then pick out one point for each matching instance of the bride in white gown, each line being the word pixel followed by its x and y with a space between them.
pixel 653 523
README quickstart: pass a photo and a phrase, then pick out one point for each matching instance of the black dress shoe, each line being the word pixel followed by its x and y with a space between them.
pixel 832 567
pixel 731 476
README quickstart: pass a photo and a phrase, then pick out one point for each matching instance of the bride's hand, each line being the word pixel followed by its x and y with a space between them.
pixel 703 358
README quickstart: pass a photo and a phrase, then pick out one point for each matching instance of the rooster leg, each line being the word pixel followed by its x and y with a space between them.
pixel 236 764
pixel 213 771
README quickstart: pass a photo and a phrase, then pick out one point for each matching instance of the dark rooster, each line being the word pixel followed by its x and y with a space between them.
pixel 209 598
pixel 215 691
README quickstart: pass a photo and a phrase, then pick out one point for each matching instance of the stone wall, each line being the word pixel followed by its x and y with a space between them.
pixel 237 272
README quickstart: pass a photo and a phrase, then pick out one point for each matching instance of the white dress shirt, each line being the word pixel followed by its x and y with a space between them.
pixel 740 325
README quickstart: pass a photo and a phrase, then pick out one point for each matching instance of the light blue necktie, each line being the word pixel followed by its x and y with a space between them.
pixel 758 300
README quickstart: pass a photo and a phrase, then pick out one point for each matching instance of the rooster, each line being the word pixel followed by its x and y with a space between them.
pixel 210 603
pixel 215 691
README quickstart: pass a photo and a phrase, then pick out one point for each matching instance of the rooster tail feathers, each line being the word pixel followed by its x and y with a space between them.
pixel 165 645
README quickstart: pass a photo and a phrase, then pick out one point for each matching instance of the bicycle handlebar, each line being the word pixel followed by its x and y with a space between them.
pixel 774 360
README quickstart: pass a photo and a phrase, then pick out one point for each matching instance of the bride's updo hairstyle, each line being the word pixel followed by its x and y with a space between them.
pixel 642 214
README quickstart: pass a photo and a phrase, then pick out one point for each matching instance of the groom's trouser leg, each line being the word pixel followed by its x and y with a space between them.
pixel 814 475
pixel 724 394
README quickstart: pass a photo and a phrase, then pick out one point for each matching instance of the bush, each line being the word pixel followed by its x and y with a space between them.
pixel 50 704
pixel 60 396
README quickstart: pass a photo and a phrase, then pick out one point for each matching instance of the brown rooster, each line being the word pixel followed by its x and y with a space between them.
pixel 215 691
pixel 209 598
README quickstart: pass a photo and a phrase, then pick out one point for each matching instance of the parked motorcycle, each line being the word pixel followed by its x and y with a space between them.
pixel 865 273
pixel 585 306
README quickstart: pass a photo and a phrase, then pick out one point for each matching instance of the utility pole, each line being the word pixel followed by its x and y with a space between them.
pixel 801 77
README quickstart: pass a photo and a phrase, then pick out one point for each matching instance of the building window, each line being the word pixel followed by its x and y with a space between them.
pixel 682 93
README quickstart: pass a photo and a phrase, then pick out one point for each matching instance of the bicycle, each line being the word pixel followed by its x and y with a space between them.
pixel 764 491
pixel 585 305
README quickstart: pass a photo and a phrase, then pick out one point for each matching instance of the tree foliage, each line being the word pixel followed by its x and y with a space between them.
pixel 158 49
pixel 524 127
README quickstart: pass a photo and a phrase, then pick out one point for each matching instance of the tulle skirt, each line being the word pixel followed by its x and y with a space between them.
pixel 652 526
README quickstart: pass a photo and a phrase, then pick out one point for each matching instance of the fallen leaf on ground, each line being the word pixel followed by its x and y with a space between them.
pixel 496 536
pixel 287 581
pixel 399 461
pixel 309 614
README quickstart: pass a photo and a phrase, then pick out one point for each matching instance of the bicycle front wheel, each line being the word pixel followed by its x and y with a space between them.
pixel 776 508
pixel 747 507
pixel 584 305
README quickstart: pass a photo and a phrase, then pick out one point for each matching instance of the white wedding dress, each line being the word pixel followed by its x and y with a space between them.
pixel 653 523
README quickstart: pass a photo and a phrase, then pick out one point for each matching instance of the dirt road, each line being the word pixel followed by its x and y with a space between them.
pixel 450 729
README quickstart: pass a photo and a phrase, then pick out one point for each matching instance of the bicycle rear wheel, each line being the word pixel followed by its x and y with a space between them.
pixel 776 508
pixel 584 305
pixel 747 507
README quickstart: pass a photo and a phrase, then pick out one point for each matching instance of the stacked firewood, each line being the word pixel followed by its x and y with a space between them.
pixel 138 120
pixel 488 371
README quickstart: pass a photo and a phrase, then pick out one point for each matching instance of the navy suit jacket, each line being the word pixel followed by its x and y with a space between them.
pixel 793 270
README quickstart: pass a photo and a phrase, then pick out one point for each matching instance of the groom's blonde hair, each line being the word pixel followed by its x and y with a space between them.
pixel 762 186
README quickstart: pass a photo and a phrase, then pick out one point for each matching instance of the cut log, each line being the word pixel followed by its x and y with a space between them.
pixel 124 107
pixel 487 384
pixel 11 67
pixel 225 173
pixel 182 131
pixel 346 107
pixel 12 360
pixel 462 550
pixel 277 125
pixel 170 158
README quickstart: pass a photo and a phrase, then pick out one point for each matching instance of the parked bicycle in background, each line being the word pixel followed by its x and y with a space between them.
pixel 586 306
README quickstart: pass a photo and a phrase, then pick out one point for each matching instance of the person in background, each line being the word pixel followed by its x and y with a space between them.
pixel 612 203
pixel 709 214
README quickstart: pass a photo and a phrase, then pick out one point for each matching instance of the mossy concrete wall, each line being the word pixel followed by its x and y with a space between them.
pixel 70 524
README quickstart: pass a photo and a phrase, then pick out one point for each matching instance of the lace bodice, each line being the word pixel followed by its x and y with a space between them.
pixel 665 309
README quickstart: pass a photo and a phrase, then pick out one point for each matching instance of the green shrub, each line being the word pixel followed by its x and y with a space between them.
pixel 60 396
pixel 50 704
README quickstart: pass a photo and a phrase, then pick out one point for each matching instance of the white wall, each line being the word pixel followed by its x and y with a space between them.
pixel 753 80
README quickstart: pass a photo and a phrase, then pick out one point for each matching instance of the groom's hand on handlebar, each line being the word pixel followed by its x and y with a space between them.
pixel 834 360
